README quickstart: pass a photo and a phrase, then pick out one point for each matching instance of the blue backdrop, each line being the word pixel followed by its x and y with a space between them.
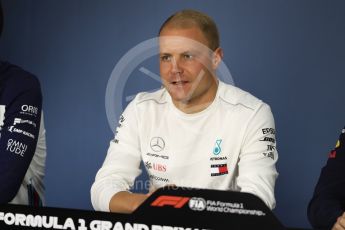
pixel 291 54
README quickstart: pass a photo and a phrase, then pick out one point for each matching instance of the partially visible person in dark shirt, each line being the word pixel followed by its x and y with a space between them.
pixel 326 209
pixel 22 136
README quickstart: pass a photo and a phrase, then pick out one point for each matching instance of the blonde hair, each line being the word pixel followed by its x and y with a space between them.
pixel 189 18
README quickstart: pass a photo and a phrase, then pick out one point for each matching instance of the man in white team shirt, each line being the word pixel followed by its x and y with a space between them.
pixel 195 132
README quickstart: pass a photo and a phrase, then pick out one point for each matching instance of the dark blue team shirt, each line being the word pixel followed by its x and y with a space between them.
pixel 20 113
pixel 328 202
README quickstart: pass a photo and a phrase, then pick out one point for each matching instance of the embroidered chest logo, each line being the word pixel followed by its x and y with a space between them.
pixel 157 144
pixel 217 149
pixel 148 165
pixel 220 168
pixel 155 166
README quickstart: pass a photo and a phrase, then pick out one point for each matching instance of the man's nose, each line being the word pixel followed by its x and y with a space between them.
pixel 176 67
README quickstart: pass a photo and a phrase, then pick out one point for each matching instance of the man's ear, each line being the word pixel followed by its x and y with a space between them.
pixel 217 57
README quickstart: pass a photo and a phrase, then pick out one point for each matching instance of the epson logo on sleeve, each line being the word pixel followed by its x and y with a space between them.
pixel 29 109
pixel 16 147
pixel 271 131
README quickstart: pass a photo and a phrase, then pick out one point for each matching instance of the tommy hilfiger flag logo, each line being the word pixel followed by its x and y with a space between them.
pixel 219 169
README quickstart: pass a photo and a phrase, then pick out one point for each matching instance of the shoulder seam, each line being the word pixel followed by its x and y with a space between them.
pixel 239 103
pixel 150 99
pixel 155 96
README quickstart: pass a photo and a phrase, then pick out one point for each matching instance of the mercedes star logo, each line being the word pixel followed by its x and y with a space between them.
pixel 157 144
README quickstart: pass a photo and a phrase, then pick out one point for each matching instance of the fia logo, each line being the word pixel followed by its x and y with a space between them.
pixel 197 204
pixel 217 149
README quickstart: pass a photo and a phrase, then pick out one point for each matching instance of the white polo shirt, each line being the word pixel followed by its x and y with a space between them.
pixel 228 146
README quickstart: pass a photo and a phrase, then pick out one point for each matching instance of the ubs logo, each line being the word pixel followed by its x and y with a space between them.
pixel 157 144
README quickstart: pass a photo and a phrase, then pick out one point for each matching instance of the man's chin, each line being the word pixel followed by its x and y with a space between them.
pixel 181 99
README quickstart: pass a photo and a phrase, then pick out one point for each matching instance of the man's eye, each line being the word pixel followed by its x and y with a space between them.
pixel 188 56
pixel 165 58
